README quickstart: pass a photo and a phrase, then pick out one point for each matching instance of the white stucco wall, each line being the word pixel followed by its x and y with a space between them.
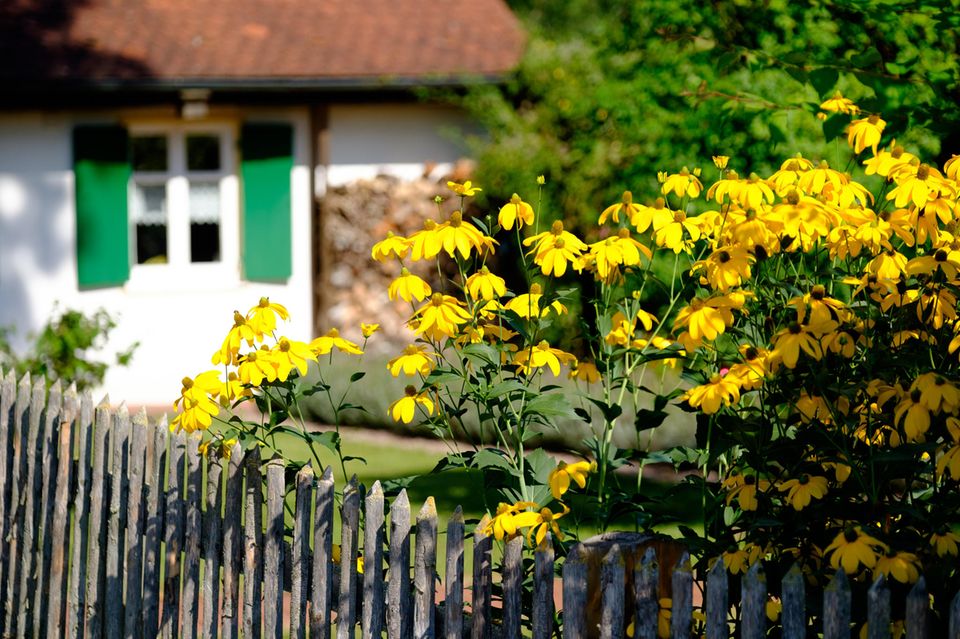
pixel 367 140
pixel 179 320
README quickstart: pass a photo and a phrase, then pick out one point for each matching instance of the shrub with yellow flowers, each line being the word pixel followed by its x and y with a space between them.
pixel 257 364
pixel 812 313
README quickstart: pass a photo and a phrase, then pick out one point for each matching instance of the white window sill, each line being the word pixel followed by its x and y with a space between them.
pixel 167 278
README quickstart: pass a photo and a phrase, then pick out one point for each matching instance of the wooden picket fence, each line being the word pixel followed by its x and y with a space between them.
pixel 114 527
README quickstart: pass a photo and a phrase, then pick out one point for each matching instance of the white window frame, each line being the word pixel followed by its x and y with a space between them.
pixel 179 273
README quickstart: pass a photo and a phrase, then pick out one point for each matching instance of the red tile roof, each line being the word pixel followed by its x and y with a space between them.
pixel 269 41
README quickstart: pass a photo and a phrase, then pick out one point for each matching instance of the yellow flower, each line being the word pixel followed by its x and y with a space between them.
pixel 326 343
pixel 620 249
pixel 944 260
pixel 789 342
pixel 913 414
pixel 554 249
pixel 725 268
pixel 720 161
pixel 919 186
pixel 937 393
pixel 541 523
pixel 945 542
pixel 425 244
pixel 542 355
pixel 643 216
pixel 233 389
pixel 560 476
pixel 291 354
pixel 865 133
pixel 950 461
pixel 256 366
pixel 720 390
pixel 409 287
pixel 822 308
pixel 625 206
pixel 541 180
pixel 196 402
pixel 484 285
pixel 738 560
pixel 886 162
pixel 528 304
pixel 457 235
pixel 682 183
pixel 440 317
pixel 466 189
pixel 368 329
pixel 504 523
pixel 840 104
pixel 902 566
pixel 404 408
pixel 516 210
pixel 240 332
pixel 750 373
pixel 585 372
pixel 390 245
pixel 669 231
pixel 853 548
pixel 804 489
pixel 262 318
pixel 414 359
pixel 704 318
pixel 744 489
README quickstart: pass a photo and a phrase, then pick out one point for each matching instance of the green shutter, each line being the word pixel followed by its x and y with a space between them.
pixel 101 170
pixel 266 163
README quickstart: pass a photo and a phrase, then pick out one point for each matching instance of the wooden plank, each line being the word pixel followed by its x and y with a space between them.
pixel 453 600
pixel 718 601
pixel 543 606
pixel 273 553
pixel 512 568
pixel 93 598
pixel 8 394
pixel 836 608
pixel 350 516
pixel 918 602
pixel 29 510
pixel 113 606
pixel 193 530
pixel 18 473
pixel 424 571
pixel 49 467
pixel 646 598
pixel 753 602
pixel 321 592
pixel 399 614
pixel 794 600
pixel 681 617
pixel 173 538
pixel 211 549
pixel 482 581
pixel 612 577
pixel 133 564
pixel 374 534
pixel 954 629
pixel 575 595
pixel 300 556
pixel 155 467
pixel 76 592
pixel 878 610
pixel 252 545
pixel 232 545
pixel 58 533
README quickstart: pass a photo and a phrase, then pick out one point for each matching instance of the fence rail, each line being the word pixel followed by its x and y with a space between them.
pixel 114 527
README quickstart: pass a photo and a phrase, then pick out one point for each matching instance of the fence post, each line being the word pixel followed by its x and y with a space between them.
pixel 482 578
pixel 98 529
pixel 373 538
pixel 321 599
pixel 794 598
pixel 8 393
pixel 28 510
pixel 682 616
pixel 543 606
pixel 273 552
pixel 512 558
pixel 57 535
pixel 347 605
pixel 612 576
pixel 646 596
pixel 399 614
pixel 76 597
pixel 134 540
pixel 453 599
pixel 232 544
pixel 424 571
pixel 717 601
pixel 48 468
pixel 574 595
pixel 211 549
pixel 253 535
pixel 954 632
pixel 113 608
pixel 170 624
pixel 916 614
pixel 836 608
pixel 878 610
pixel 300 562
pixel 154 520
pixel 753 615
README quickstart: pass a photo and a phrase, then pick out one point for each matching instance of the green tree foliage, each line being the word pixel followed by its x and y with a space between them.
pixel 611 92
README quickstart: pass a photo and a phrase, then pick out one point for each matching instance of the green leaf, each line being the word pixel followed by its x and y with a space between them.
pixel 551 405
pixel 504 388
pixel 866 59
pixel 647 419
pixel 492 458
pixel 540 465
pixel 610 412
pixel 442 376
pixel 835 126
pixel 356 377
pixel 823 80
pixel 329 439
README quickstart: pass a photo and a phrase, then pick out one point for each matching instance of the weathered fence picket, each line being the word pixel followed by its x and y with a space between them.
pixel 93 504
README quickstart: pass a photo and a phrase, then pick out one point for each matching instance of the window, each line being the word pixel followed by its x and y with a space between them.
pixel 181 201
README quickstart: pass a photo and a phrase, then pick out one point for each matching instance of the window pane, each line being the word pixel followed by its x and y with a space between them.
pixel 203 153
pixel 149 153
pixel 204 221
pixel 148 214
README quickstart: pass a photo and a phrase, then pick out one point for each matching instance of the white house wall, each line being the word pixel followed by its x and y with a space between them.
pixel 179 322
pixel 393 139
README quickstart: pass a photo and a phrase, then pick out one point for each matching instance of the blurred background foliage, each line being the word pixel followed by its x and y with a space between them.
pixel 611 92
